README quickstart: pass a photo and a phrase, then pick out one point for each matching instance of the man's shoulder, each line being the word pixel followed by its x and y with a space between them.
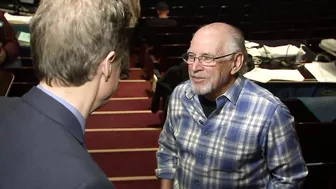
pixel 172 22
pixel 161 22
pixel 182 88
pixel 8 104
pixel 255 91
pixel 4 99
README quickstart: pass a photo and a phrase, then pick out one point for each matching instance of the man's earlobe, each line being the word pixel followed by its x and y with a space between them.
pixel 234 70
pixel 107 78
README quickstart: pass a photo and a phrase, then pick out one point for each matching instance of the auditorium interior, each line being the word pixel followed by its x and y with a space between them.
pixel 122 136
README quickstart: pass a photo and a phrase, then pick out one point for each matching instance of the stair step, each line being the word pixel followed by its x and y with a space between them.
pixel 133 89
pixel 126 163
pixel 121 120
pixel 124 104
pixel 135 74
pixel 122 139
pixel 124 142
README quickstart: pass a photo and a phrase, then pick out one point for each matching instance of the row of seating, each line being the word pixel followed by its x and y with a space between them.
pixel 307 28
pixel 316 141
pixel 215 3
pixel 265 10
pixel 247 18
pixel 170 36
pixel 175 40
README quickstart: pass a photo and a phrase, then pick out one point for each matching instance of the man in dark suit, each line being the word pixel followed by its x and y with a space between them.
pixel 77 48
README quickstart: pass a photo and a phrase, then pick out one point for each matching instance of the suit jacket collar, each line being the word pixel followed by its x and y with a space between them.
pixel 51 108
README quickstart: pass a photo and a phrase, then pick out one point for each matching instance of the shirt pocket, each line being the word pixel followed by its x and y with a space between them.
pixel 236 149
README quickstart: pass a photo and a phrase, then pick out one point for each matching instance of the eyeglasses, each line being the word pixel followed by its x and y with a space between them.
pixel 205 60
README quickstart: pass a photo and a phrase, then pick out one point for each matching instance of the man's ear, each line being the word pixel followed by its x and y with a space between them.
pixel 238 61
pixel 107 65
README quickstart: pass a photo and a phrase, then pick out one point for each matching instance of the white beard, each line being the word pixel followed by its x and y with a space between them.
pixel 201 89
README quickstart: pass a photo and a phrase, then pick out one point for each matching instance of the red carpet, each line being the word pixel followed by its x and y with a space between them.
pixel 132 120
pixel 124 105
pixel 127 164
pixel 122 139
pixel 135 74
pixel 132 89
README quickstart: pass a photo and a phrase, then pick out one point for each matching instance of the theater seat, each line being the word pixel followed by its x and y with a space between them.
pixel 6 81
pixel 312 109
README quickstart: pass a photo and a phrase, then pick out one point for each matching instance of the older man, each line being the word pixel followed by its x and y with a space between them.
pixel 76 47
pixel 222 130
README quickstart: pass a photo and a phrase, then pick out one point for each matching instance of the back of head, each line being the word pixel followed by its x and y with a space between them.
pixel 162 6
pixel 69 38
pixel 162 9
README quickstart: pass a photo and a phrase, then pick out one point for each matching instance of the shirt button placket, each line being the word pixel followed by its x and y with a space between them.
pixel 206 133
pixel 200 156
pixel 197 181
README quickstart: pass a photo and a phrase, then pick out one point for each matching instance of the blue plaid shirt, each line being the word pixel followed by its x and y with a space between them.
pixel 248 142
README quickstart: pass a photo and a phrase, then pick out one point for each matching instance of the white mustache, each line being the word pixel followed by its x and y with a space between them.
pixel 203 76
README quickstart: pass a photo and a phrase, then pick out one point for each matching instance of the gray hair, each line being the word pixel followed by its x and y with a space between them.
pixel 236 43
pixel 69 38
pixel 232 39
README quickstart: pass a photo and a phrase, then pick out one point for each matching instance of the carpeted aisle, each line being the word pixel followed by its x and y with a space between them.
pixel 122 136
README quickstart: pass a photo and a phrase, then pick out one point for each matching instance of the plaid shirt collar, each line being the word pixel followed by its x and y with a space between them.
pixel 232 94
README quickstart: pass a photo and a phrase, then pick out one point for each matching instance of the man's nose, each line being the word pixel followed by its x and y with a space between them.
pixel 197 65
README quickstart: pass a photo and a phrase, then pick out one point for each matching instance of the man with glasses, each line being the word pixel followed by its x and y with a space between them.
pixel 222 130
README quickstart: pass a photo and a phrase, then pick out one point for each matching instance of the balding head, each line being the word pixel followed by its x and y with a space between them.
pixel 231 39
pixel 223 37
pixel 215 34
pixel 218 27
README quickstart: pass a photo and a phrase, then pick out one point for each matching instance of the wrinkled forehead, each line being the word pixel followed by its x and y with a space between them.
pixel 207 42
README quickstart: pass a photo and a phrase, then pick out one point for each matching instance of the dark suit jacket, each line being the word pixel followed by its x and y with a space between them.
pixel 42 146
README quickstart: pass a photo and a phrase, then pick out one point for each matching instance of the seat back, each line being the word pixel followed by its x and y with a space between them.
pixel 6 81
pixel 317 141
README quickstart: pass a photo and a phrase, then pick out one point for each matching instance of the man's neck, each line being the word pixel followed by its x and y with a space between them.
pixel 79 97
pixel 163 16
pixel 215 94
